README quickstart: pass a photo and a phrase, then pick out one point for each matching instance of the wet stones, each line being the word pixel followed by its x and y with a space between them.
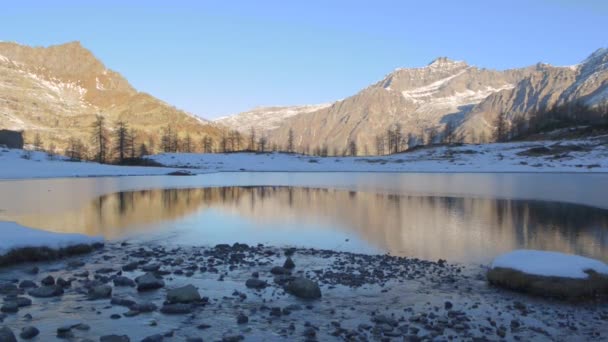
pixel 9 307
pixel 114 338
pixel 154 338
pixel 123 281
pixel 304 288
pixel 122 301
pixel 27 284
pixel 255 283
pixel 144 307
pixel 278 270
pixel 242 318
pixel 28 333
pixel 7 335
pixel 289 264
pixel 184 294
pixel 176 309
pixel 48 280
pixel 46 291
pixel 148 282
pixel 132 266
pixel 100 292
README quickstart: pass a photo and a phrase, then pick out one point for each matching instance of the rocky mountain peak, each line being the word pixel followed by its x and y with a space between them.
pixel 446 63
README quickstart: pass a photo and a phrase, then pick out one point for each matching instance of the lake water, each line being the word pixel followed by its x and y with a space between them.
pixel 459 217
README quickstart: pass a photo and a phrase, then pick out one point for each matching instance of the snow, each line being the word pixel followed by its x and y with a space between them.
pixel 13 165
pixel 266 118
pixel 466 158
pixel 504 157
pixel 15 236
pixel 430 89
pixel 546 263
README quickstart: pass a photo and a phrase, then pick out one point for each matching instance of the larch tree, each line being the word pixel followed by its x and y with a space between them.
pixel 99 139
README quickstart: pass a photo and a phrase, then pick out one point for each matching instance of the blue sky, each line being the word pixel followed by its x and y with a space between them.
pixel 218 57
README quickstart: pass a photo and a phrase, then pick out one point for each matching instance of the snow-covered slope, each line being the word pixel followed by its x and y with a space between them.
pixel 264 119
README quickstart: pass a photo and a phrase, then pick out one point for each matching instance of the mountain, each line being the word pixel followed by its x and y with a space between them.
pixel 264 119
pixel 56 91
pixel 424 100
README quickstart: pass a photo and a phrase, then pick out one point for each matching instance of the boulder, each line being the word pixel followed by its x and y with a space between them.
pixel 550 274
pixel 29 332
pixel 255 283
pixel 184 294
pixel 148 282
pixel 114 338
pixel 304 288
pixel 100 291
pixel 6 335
pixel 46 291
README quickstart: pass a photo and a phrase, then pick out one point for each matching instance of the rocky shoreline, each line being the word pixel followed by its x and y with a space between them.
pixel 136 292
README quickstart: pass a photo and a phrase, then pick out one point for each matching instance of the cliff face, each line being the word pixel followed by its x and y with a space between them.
pixel 56 92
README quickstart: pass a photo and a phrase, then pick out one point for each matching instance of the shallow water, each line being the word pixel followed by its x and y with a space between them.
pixel 459 217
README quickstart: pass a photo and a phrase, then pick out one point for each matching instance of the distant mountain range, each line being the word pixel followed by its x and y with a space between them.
pixel 56 92
pixel 425 99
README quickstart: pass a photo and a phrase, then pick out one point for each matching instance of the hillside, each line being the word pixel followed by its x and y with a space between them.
pixel 56 92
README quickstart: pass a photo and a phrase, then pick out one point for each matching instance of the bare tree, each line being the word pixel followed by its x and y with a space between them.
pixel 448 132
pixel 207 144
pixel 352 147
pixel 187 145
pixel 379 145
pixel 143 150
pixel 431 136
pixel 252 139
pixel 99 138
pixel 262 144
pixel 290 140
pixel 38 143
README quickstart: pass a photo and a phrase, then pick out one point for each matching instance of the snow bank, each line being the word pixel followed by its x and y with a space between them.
pixel 14 236
pixel 19 164
pixel 544 263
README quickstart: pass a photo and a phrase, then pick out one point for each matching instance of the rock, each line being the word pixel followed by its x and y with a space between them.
pixel 242 318
pixel 289 264
pixel 63 283
pixel 27 284
pixel 32 270
pixel 151 267
pixel 278 270
pixel 105 270
pixel 75 263
pixel 23 301
pixel 382 319
pixel 148 282
pixel 9 307
pixel 114 338
pixel 29 332
pixel 132 266
pixel 180 173
pixel 123 281
pixel 545 286
pixel 48 280
pixel 233 338
pixel 100 292
pixel 304 288
pixel 194 339
pixel 448 305
pixel 184 294
pixel 144 307
pixel 122 301
pixel 178 308
pixel 154 338
pixel 255 283
pixel 46 291
pixel 6 335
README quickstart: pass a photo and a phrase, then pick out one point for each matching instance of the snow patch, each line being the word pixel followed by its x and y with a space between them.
pixel 16 236
pixel 546 263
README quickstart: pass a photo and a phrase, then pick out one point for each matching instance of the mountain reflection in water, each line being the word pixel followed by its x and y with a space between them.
pixel 453 228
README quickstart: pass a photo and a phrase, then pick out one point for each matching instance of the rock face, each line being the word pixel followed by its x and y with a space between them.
pixel 423 100
pixel 56 91
pixel 304 288
pixel 184 294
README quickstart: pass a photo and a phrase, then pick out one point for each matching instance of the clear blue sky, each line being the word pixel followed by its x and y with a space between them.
pixel 218 57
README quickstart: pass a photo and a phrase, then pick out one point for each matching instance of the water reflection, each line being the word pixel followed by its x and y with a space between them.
pixel 454 228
